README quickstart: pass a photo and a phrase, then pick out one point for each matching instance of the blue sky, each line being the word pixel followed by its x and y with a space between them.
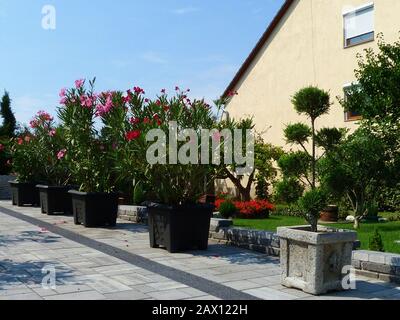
pixel 197 44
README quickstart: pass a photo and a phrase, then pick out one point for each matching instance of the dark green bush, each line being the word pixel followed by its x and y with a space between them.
pixel 288 191
pixel 389 199
pixel 376 242
pixel 139 195
pixel 227 209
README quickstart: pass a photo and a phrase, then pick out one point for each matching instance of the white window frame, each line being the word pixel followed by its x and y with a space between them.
pixel 370 36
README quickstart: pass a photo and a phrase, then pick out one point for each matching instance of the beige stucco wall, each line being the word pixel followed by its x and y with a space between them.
pixel 306 49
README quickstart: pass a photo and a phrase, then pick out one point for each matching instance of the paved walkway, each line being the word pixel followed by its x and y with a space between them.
pixel 118 264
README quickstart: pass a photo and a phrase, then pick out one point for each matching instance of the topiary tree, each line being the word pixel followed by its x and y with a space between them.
pixel 9 122
pixel 299 168
pixel 313 103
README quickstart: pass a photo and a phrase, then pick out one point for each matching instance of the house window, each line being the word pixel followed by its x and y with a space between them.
pixel 359 26
pixel 352 115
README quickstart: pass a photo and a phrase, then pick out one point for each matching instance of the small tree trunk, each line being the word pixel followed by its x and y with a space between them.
pixel 356 223
pixel 313 164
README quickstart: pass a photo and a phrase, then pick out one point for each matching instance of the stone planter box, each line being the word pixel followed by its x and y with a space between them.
pixel 314 261
pixel 5 188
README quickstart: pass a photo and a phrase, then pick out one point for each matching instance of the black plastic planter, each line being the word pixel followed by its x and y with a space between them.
pixel 24 194
pixel 55 200
pixel 94 209
pixel 180 228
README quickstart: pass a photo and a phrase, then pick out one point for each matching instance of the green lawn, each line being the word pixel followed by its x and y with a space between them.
pixel 390 231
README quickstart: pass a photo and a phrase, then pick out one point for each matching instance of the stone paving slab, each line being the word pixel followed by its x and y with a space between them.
pixel 21 269
pixel 238 270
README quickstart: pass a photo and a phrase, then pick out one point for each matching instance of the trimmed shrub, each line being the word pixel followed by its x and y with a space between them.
pixel 227 209
pixel 376 242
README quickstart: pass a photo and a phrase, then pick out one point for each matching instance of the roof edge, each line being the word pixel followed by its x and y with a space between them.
pixel 254 53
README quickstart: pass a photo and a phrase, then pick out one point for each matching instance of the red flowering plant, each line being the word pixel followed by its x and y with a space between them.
pixel 167 181
pixel 86 155
pixel 254 209
pixel 26 163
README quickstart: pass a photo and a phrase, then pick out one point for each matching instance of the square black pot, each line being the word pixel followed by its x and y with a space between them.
pixel 24 194
pixel 94 209
pixel 180 228
pixel 55 199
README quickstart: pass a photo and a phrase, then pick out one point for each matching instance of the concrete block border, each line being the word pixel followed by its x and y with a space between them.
pixel 377 265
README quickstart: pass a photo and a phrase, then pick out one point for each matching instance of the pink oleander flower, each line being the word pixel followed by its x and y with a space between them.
pixel 27 138
pixel 52 132
pixel 44 116
pixel 232 93
pixel 63 92
pixel 86 101
pixel 102 109
pixel 79 83
pixel 63 100
pixel 138 90
pixel 33 124
pixel 61 154
pixel 128 97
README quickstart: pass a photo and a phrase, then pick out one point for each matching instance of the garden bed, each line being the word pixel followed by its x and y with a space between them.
pixel 390 231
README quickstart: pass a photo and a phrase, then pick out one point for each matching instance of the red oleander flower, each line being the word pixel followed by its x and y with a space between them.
pixel 146 120
pixel 1 147
pixel 134 121
pixel 133 135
